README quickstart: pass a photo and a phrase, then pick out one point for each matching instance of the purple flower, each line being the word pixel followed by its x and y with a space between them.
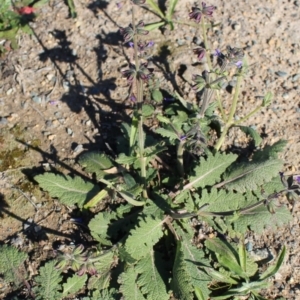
pixel 130 74
pixel 119 5
pixel 200 52
pixel 297 178
pixel 150 44
pixel 131 44
pixel 140 29
pixel 218 53
pixel 197 12
pixel 132 97
pixel 144 72
pixel 128 32
pixel 234 55
pixel 239 64
pixel 53 102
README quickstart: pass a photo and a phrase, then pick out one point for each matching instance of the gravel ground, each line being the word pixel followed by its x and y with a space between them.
pixel 64 91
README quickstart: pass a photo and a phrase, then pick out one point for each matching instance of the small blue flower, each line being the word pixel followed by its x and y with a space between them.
pixel 132 97
pixel 239 64
pixel 218 53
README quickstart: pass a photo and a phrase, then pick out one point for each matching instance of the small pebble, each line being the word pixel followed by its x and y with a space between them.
pixel 66 85
pixel 295 77
pixel 285 95
pixel 50 137
pixel 180 42
pixel 9 92
pixel 27 224
pixel 61 120
pixel 24 104
pixel 69 131
pixel 88 123
pixel 57 114
pixel 197 40
pixel 78 148
pixel 249 246
pixel 236 26
pixel 37 99
pixel 49 123
pixel 50 76
pixel 3 121
pixel 281 73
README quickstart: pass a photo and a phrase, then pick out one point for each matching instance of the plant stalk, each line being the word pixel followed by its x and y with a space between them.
pixel 205 43
pixel 248 116
pixel 230 121
pixel 180 149
pixel 139 88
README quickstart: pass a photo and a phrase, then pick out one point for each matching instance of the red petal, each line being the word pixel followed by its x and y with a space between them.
pixel 26 10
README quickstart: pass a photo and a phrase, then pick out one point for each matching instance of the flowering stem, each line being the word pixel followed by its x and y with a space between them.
pixel 135 46
pixel 230 122
pixel 139 87
pixel 205 42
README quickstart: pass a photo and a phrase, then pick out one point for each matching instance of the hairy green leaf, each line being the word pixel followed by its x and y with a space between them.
pixel 147 110
pixel 223 248
pixel 182 281
pixel 10 262
pixel 129 287
pixel 48 282
pixel 220 200
pixel 272 270
pixel 260 219
pixel 167 133
pixel 67 189
pixel 150 280
pixel 99 226
pixel 270 151
pixel 195 261
pixel 73 285
pixel 100 281
pixel 144 237
pixel 252 133
pixel 163 119
pixel 157 95
pixel 124 159
pixel 94 161
pixel 210 170
pixel 250 175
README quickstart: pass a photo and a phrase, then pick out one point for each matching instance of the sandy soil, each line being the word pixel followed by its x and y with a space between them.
pixel 62 93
